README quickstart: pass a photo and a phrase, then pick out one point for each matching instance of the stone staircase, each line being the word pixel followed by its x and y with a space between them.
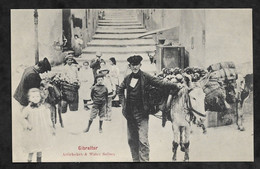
pixel 116 36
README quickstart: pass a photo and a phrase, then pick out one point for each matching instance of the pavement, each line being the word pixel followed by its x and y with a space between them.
pixel 224 143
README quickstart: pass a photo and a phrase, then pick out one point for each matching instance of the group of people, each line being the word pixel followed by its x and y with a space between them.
pixel 87 78
pixel 100 90
pixel 33 96
pixel 34 113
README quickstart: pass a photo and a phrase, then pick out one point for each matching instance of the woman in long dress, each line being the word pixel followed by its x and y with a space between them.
pixel 114 74
pixel 86 82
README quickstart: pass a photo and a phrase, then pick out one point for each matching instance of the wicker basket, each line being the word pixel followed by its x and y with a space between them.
pixel 69 92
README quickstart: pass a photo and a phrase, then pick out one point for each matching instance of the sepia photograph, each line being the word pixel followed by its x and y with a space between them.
pixel 132 85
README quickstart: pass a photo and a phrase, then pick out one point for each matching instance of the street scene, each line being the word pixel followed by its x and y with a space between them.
pixel 132 85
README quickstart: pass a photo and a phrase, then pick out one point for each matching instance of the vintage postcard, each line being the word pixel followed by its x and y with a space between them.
pixel 132 85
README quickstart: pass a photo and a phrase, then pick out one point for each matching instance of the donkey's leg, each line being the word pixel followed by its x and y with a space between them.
pixel 201 124
pixel 53 112
pixel 181 129
pixel 174 150
pixel 204 128
pixel 175 144
pixel 60 118
pixel 240 117
pixel 55 116
pixel 187 143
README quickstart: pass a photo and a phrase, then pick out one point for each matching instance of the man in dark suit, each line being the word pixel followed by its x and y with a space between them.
pixel 135 106
pixel 31 79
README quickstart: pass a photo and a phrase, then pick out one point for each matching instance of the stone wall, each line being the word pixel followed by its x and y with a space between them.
pixel 209 36
pixel 229 38
pixel 23 35
pixel 187 29
pixel 50 34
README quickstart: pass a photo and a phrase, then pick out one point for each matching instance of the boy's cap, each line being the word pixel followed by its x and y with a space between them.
pixel 70 56
pixel 99 76
pixel 98 54
pixel 104 69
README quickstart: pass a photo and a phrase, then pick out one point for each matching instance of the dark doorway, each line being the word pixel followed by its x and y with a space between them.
pixel 77 22
pixel 66 16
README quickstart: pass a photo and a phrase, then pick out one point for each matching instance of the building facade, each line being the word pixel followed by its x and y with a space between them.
pixel 209 36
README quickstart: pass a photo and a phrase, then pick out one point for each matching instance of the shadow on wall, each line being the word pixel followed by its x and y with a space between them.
pixel 187 58
pixel 58 59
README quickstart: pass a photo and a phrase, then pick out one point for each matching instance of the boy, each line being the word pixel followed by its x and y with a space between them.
pixel 99 95
pixel 111 91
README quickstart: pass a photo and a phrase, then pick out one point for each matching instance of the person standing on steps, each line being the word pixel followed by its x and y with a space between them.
pixel 95 63
pixel 135 107
pixel 78 46
pixel 99 95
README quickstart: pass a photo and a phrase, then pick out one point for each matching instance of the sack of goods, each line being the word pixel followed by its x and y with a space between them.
pixel 215 96
pixel 221 65
pixel 224 71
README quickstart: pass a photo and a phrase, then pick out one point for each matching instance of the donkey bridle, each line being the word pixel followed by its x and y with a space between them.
pixel 191 108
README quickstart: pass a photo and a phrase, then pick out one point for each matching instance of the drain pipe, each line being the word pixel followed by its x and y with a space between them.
pixel 36 36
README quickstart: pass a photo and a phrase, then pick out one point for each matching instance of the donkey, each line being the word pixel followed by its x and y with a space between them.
pixel 186 107
pixel 52 93
pixel 243 89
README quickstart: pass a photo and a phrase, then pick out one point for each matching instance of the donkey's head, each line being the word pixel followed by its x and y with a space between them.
pixel 196 103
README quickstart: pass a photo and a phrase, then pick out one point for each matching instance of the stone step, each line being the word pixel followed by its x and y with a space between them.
pixel 121 27
pixel 120 18
pixel 121 15
pixel 119 31
pixel 119 50
pixel 119 36
pixel 120 24
pixel 117 11
pixel 118 21
pixel 122 43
